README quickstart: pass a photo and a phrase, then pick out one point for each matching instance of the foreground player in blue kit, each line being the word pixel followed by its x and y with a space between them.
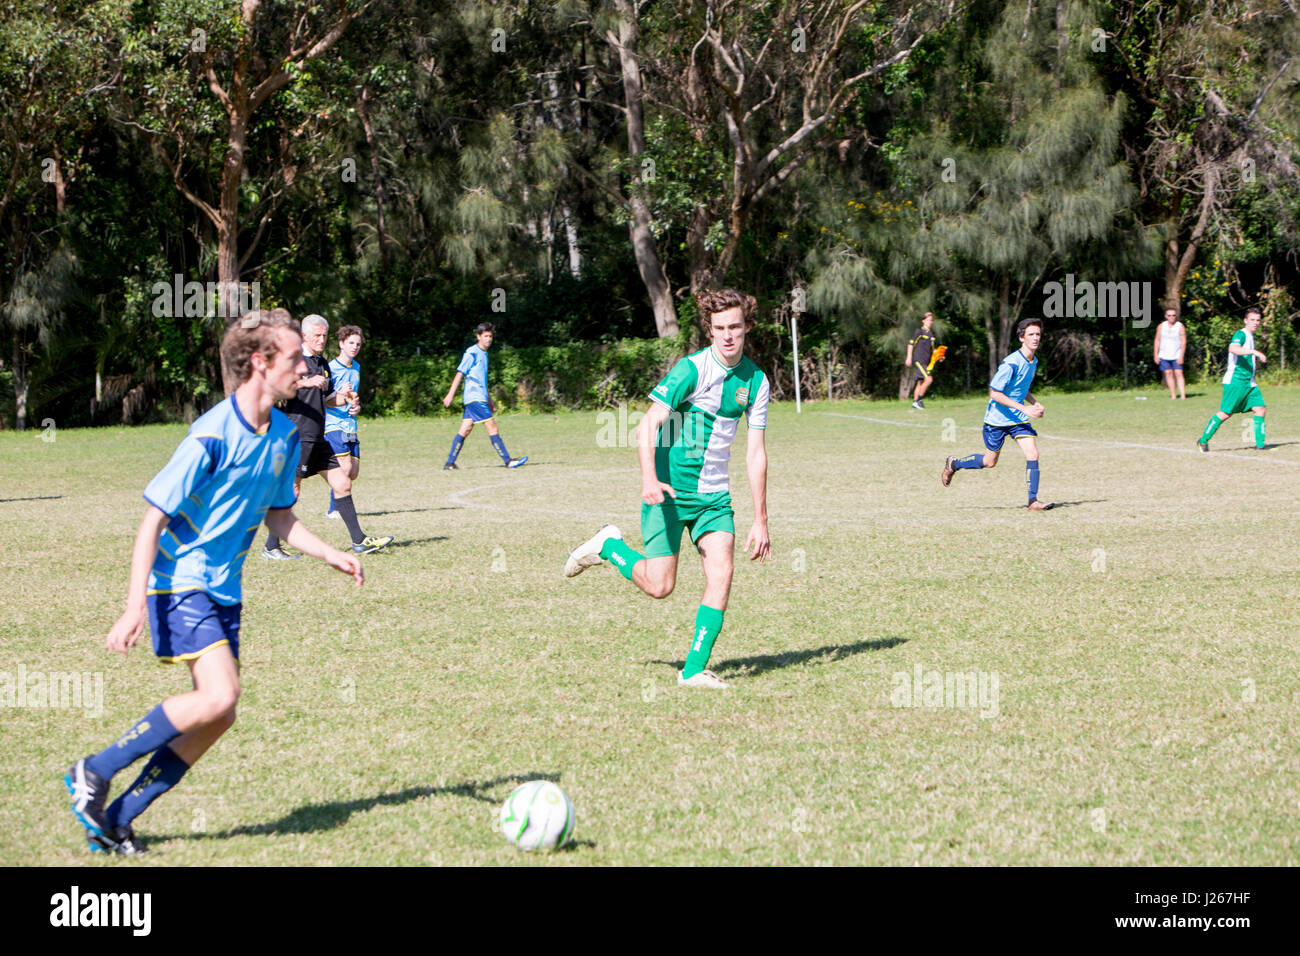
pixel 1008 413
pixel 235 468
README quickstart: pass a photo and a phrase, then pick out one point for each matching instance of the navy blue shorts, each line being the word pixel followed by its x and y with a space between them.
pixel 344 443
pixel 1169 365
pixel 189 624
pixel 995 435
pixel 477 411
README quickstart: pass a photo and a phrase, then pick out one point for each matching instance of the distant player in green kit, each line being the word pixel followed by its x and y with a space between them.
pixel 683 445
pixel 1239 389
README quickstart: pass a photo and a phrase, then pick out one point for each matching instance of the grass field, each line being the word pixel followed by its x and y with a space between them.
pixel 1136 648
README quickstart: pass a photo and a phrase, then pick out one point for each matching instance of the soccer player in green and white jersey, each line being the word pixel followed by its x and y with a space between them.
pixel 1239 389
pixel 684 444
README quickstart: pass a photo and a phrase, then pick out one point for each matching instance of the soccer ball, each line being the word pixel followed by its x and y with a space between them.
pixel 537 815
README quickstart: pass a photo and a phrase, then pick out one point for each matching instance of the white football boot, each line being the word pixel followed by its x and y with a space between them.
pixel 587 554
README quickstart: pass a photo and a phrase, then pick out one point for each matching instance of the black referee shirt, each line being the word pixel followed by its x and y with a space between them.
pixel 307 408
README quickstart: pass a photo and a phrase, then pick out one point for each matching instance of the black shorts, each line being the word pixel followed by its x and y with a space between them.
pixel 314 457
pixel 920 370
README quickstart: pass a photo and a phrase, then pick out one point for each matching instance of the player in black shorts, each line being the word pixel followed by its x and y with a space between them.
pixel 307 411
pixel 919 350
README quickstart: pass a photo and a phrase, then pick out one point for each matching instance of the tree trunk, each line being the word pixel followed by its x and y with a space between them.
pixel 375 174
pixel 646 253
pixel 20 383
pixel 232 171
pixel 992 344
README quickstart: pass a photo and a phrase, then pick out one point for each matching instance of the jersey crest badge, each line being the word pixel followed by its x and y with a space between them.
pixel 742 396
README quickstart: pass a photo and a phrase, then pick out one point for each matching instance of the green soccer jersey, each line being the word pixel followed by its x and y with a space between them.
pixel 1241 368
pixel 707 400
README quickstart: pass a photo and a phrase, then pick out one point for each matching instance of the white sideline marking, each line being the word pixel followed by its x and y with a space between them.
pixel 1085 441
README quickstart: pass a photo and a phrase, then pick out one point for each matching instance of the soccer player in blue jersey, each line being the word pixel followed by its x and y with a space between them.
pixel 233 470
pixel 341 420
pixel 1009 410
pixel 316 393
pixel 473 369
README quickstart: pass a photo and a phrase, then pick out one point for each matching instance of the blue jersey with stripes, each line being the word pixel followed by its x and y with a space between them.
pixel 1013 378
pixel 216 489
pixel 474 366
pixel 343 376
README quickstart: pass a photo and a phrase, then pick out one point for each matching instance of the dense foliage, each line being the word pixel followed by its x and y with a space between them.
pixel 572 170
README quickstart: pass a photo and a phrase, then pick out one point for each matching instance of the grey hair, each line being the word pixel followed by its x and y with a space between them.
pixel 313 320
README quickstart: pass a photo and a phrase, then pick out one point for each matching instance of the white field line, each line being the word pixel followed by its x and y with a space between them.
pixel 1085 441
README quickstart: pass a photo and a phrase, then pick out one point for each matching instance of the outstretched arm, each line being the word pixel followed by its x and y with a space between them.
pixel 286 526
pixel 130 625
pixel 451 392
pixel 759 543
pixel 647 432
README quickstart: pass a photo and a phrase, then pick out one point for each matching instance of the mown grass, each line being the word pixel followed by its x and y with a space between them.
pixel 1142 637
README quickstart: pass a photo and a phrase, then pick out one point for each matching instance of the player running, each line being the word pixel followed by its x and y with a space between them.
pixel 232 471
pixel 316 391
pixel 1239 389
pixel 684 482
pixel 341 420
pixel 473 369
pixel 1009 410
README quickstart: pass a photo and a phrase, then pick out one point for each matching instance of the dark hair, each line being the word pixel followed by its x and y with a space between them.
pixel 1026 323
pixel 484 327
pixel 1255 310
pixel 248 334
pixel 348 330
pixel 712 301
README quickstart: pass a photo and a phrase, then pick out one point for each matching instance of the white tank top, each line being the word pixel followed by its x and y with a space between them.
pixel 1170 339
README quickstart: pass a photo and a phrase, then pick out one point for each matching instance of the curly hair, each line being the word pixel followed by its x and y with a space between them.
pixel 346 331
pixel 712 301
pixel 250 333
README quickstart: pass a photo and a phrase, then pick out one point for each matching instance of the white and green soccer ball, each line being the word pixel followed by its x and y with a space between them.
pixel 537 816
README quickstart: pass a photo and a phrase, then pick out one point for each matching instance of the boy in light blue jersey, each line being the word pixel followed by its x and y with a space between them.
pixel 341 420
pixel 233 470
pixel 473 369
pixel 1009 410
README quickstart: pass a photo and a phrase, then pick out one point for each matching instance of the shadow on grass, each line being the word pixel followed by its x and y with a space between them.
pixel 1055 505
pixel 752 666
pixel 406 544
pixel 404 511
pixel 5 501
pixel 316 817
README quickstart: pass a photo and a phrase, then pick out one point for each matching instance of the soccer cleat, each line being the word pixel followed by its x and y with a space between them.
pixel 1203 445
pixel 587 554
pixel 372 543
pixel 516 462
pixel 919 404
pixel 702 679
pixel 945 476
pixel 89 790
pixel 126 843
pixel 451 466
pixel 279 554
pixel 333 514
pixel 1036 505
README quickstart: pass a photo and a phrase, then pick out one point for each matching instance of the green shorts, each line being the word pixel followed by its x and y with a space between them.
pixel 661 525
pixel 1240 397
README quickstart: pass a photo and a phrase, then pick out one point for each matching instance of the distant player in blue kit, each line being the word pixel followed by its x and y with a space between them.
pixel 1009 410
pixel 473 369
pixel 233 470
pixel 341 420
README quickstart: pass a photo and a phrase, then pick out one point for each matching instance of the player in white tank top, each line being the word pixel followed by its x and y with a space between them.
pixel 1170 348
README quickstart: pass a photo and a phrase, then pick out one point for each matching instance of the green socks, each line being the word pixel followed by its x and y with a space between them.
pixel 617 551
pixel 708 623
pixel 1211 427
pixel 1259 431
